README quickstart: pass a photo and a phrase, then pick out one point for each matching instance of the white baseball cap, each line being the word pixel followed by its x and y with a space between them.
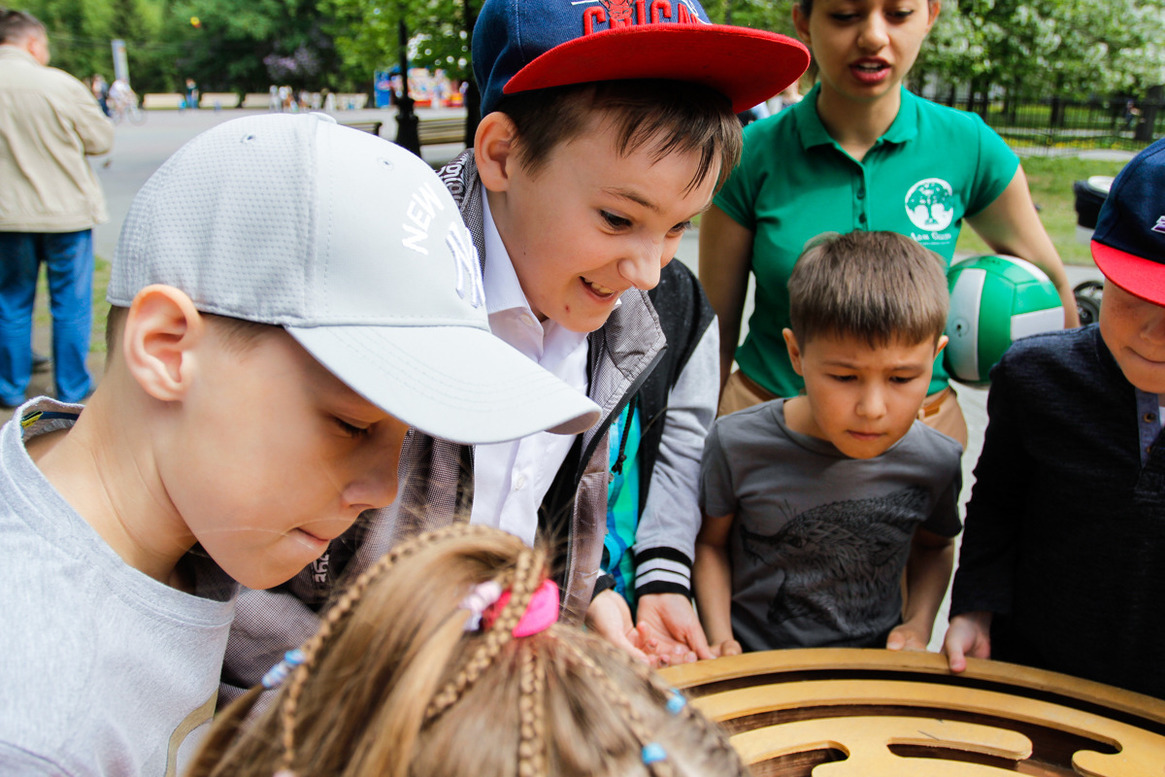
pixel 354 246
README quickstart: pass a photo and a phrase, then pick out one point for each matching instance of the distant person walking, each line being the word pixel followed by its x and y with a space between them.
pixel 191 98
pixel 1132 113
pixel 101 92
pixel 49 201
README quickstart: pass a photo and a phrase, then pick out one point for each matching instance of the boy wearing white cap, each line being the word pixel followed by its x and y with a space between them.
pixel 606 128
pixel 289 297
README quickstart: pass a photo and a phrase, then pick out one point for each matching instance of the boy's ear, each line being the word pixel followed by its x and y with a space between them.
pixel 942 343
pixel 161 329
pixel 794 349
pixel 493 149
pixel 801 25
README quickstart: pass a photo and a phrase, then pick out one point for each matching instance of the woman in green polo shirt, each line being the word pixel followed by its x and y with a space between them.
pixel 859 152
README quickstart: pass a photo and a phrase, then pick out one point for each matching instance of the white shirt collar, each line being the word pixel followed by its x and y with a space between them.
pixel 503 290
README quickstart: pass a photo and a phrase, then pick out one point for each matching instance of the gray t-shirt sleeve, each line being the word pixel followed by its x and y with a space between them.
pixel 944 518
pixel 717 496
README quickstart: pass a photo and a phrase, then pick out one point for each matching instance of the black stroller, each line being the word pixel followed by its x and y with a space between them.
pixel 1090 195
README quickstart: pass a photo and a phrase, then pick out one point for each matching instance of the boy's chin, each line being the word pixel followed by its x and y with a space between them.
pixel 583 324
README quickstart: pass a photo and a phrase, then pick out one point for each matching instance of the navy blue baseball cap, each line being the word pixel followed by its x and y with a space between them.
pixel 520 45
pixel 1129 242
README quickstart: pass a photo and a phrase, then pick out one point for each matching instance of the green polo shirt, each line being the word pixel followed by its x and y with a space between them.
pixel 933 167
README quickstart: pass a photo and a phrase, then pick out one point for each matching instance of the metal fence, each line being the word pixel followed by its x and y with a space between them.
pixel 1052 126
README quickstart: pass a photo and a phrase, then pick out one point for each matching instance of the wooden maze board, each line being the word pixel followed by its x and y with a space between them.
pixel 876 713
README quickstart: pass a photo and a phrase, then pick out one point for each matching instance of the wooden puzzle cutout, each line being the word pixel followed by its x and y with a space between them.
pixel 876 713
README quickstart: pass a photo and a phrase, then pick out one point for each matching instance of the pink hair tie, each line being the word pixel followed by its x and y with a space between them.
pixel 540 614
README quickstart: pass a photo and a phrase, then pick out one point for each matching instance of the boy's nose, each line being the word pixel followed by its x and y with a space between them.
pixel 1154 329
pixel 872 403
pixel 642 268
pixel 376 487
pixel 372 492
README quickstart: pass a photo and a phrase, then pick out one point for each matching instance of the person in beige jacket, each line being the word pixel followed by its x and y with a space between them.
pixel 49 202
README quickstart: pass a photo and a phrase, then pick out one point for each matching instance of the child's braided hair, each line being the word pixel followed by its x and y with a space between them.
pixel 394 685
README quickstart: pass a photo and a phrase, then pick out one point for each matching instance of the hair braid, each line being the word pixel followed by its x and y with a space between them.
pixel 632 715
pixel 527 576
pixel 395 647
pixel 338 611
pixel 531 706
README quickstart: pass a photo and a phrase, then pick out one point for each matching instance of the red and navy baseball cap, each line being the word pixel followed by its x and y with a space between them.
pixel 521 45
pixel 1129 242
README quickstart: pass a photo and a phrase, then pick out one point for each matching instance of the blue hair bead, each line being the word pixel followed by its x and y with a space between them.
pixel 278 673
pixel 653 753
pixel 676 702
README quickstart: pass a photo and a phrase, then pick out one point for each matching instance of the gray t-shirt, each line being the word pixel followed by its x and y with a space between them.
pixel 104 670
pixel 819 540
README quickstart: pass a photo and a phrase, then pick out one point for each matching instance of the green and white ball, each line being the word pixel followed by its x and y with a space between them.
pixel 995 300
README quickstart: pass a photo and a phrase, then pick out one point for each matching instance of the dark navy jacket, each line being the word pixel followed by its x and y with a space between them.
pixel 1065 530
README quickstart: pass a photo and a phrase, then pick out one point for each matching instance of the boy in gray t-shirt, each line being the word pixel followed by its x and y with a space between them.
pixel 814 506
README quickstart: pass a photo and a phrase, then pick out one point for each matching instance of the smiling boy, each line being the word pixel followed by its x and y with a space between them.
pixel 602 137
pixel 267 354
pixel 603 134
pixel 1062 565
pixel 814 505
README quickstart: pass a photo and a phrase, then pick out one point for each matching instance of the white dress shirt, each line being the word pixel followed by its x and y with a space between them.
pixel 512 478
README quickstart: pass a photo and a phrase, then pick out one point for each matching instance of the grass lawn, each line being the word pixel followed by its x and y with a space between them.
pixel 1050 179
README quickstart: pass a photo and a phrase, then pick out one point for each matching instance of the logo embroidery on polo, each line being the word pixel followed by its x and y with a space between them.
pixel 929 204
pixel 1160 225
pixel 612 14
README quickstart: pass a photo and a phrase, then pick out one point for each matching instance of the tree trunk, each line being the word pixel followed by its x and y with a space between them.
pixel 472 93
pixel 1058 112
pixel 406 120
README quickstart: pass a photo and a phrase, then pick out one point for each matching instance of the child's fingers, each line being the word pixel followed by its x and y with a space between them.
pixel 903 638
pixel 954 647
pixel 625 644
pixel 955 658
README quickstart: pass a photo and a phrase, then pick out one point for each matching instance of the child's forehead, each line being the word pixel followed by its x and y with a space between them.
pixel 599 124
pixel 269 366
pixel 854 343
pixel 602 139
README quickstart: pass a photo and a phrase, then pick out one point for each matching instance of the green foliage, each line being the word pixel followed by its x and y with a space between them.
pixel 79 34
pixel 367 33
pixel 247 45
pixel 771 15
pixel 1074 48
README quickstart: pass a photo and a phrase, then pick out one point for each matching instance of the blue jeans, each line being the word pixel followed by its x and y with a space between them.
pixel 68 257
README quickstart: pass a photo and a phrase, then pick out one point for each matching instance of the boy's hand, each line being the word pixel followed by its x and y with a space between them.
pixel 728 647
pixel 968 635
pixel 669 621
pixel 907 637
pixel 610 617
